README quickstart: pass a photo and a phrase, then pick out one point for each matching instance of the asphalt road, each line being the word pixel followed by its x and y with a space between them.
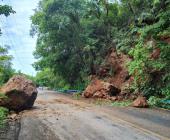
pixel 58 117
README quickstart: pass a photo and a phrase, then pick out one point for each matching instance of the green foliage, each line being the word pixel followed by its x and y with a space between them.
pixel 158 102
pixel 73 37
pixel 151 75
pixel 137 67
pixel 6 10
pixel 154 101
pixel 6 70
pixel 46 78
pixel 3 115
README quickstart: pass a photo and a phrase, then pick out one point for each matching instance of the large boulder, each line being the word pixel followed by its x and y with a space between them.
pixel 140 102
pixel 100 89
pixel 20 92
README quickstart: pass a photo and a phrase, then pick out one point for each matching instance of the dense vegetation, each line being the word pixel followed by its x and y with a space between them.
pixel 3 114
pixel 6 70
pixel 75 36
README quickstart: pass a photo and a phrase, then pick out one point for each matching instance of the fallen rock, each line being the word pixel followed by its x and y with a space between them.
pixel 98 94
pixel 12 116
pixel 113 98
pixel 140 102
pixel 20 92
pixel 100 89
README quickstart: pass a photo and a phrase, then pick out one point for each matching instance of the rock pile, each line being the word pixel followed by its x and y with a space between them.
pixel 116 76
pixel 100 89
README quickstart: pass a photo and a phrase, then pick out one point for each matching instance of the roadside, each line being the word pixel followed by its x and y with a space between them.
pixel 152 120
pixel 148 120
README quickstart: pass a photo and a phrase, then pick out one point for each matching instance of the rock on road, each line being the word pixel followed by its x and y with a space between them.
pixel 56 117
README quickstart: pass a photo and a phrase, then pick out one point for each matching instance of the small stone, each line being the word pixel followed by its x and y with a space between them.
pixel 140 102
pixel 113 98
pixel 12 116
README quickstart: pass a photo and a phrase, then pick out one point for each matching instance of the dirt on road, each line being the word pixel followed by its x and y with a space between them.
pixel 58 117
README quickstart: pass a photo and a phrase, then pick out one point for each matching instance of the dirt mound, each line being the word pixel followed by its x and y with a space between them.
pixel 114 73
pixel 119 72
pixel 20 93
pixel 100 89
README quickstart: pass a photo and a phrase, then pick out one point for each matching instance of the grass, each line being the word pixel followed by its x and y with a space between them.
pixel 77 96
pixel 3 115
pixel 122 103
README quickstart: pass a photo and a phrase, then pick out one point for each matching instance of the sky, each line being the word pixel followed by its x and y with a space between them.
pixel 16 34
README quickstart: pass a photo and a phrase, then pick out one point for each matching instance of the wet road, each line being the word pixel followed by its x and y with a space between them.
pixel 57 117
pixel 154 120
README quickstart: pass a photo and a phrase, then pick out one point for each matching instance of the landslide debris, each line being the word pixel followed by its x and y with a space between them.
pixel 19 92
pixel 112 81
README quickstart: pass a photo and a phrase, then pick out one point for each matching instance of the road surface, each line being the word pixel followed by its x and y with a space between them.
pixel 58 117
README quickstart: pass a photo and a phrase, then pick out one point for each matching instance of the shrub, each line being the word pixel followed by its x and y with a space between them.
pixel 158 102
pixel 154 101
pixel 3 115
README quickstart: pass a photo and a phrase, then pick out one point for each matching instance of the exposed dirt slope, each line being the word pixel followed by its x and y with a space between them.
pixel 114 72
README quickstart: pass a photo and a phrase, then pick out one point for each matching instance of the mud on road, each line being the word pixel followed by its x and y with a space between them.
pixel 57 117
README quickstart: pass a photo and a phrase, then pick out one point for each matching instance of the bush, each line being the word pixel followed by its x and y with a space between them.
pixel 158 102
pixel 154 101
pixel 3 115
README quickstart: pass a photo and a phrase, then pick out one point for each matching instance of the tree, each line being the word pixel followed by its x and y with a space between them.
pixel 6 10
pixel 5 60
pixel 60 38
pixel 6 70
